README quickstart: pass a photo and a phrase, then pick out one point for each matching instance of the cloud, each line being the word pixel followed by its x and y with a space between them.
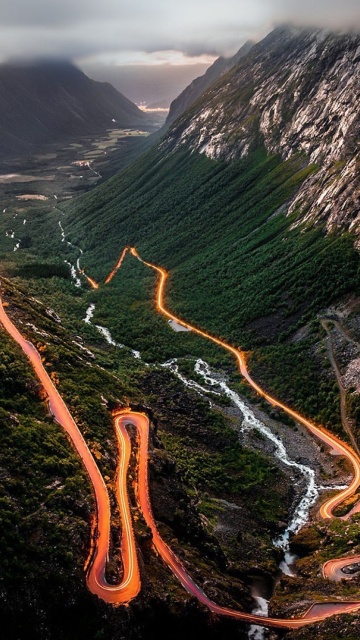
pixel 83 27
pixel 145 46
pixel 55 13
pixel 80 28
pixel 335 14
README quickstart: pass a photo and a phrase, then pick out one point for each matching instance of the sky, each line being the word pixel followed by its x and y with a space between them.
pixel 151 49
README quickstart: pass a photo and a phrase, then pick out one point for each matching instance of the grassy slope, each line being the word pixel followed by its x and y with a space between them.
pixel 251 280
pixel 237 267
pixel 46 499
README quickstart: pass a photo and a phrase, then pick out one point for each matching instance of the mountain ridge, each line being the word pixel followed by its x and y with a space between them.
pixel 48 101
pixel 297 90
pixel 199 85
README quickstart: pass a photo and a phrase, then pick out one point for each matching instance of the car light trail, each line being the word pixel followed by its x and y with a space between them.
pixel 316 613
pixel 332 569
pixel 93 284
pixel 130 584
pixel 326 510
pixel 117 266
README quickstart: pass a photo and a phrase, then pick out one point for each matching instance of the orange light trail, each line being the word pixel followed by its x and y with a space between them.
pixel 326 510
pixel 130 584
pixel 316 613
pixel 117 266
pixel 332 568
pixel 91 282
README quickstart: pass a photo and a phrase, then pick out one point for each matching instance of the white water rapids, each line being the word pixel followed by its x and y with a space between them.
pixel 251 422
pixel 62 232
pixel 262 609
pixel 106 333
pixel 217 386
pixel 74 270
pixel 73 273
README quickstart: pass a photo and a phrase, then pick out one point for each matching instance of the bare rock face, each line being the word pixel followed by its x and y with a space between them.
pixel 297 92
pixel 54 316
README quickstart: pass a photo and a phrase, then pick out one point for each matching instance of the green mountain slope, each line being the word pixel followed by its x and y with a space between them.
pixel 237 268
pixel 47 505
pixel 247 265
pixel 224 202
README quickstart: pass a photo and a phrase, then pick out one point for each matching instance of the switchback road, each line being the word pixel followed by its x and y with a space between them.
pixel 130 584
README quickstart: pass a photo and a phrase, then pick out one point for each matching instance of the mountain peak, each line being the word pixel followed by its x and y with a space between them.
pixel 47 100
pixel 201 84
pixel 295 92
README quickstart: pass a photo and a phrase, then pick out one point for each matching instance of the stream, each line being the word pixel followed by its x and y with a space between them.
pixel 106 333
pixel 217 385
pixel 250 422
pixel 73 270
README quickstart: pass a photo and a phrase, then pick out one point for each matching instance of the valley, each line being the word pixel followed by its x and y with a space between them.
pixel 213 399
pixel 130 585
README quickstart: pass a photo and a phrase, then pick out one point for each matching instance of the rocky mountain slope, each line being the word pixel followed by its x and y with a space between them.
pixel 46 102
pixel 297 91
pixel 212 212
pixel 214 203
pixel 199 85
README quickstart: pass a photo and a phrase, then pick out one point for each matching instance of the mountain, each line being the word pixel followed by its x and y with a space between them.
pixel 199 85
pixel 229 202
pixel 298 92
pixel 237 203
pixel 46 102
pixel 251 203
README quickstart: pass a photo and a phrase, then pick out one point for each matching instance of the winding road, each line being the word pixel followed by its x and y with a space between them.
pixel 130 584
pixel 333 569
pixel 341 448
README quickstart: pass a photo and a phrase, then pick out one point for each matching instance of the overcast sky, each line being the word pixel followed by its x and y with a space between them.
pixel 169 40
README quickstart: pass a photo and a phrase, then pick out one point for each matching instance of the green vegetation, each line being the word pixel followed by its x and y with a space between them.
pixel 43 270
pixel 298 378
pixel 353 408
pixel 238 269
pixel 45 496
pixel 232 472
pixel 45 503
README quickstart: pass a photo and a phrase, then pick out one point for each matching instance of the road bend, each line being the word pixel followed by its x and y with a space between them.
pixel 93 284
pixel 130 584
pixel 96 580
pixel 333 569
pixel 326 510
pixel 316 613
pixel 342 390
